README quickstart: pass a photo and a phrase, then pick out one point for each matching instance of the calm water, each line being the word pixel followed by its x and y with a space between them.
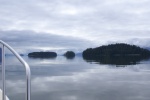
pixel 76 79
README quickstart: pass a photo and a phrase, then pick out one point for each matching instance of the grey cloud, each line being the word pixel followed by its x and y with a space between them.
pixel 49 11
pixel 102 21
pixel 25 39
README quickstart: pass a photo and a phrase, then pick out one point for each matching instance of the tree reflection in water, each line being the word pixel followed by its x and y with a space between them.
pixel 117 60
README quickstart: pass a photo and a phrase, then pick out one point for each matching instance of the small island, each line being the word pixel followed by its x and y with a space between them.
pixel 69 54
pixel 42 54
pixel 119 54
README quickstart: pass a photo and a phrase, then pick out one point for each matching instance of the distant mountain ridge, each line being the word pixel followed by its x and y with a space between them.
pixel 148 48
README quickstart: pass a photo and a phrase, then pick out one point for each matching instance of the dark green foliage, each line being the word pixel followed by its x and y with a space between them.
pixel 69 54
pixel 42 54
pixel 119 53
pixel 116 50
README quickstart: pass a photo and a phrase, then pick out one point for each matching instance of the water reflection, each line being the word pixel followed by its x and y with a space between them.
pixel 62 79
pixel 70 58
pixel 117 60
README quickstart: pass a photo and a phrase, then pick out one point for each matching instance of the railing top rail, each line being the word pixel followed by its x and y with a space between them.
pixel 27 68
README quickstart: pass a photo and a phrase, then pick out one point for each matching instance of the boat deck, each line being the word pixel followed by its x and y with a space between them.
pixel 1 95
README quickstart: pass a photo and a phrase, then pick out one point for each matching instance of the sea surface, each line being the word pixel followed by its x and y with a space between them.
pixel 76 79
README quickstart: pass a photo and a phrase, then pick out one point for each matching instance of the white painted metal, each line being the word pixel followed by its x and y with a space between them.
pixel 3 74
pixel 1 95
pixel 27 68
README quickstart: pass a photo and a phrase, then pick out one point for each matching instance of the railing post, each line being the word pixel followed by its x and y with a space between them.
pixel 3 73
pixel 27 69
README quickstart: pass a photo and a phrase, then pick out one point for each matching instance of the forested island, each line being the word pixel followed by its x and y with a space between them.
pixel 42 54
pixel 69 54
pixel 119 54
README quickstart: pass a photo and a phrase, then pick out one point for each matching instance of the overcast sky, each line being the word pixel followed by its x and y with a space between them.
pixel 59 25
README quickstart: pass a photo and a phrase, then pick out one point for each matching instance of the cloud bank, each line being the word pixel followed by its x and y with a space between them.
pixel 74 24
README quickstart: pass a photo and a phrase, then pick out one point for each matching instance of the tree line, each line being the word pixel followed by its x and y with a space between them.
pixel 118 49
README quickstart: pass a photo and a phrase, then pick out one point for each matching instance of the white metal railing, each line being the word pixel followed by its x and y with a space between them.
pixel 27 68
